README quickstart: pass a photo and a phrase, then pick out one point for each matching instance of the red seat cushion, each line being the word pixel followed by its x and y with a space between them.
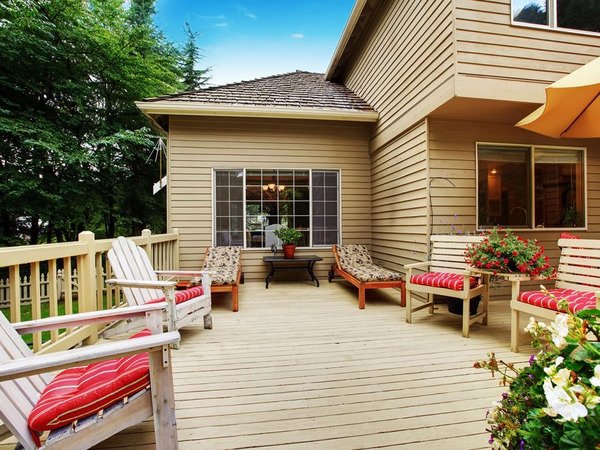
pixel 182 296
pixel 446 280
pixel 82 391
pixel 578 300
pixel 568 236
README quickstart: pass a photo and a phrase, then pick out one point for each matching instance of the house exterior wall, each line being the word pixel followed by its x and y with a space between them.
pixel 497 60
pixel 197 145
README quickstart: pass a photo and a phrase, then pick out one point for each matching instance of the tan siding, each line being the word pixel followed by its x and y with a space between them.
pixel 399 199
pixel 498 60
pixel 197 145
pixel 403 66
pixel 452 144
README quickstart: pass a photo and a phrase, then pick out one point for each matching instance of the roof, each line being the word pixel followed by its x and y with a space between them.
pixel 291 95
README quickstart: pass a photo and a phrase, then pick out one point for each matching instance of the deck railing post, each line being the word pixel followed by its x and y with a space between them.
pixel 146 244
pixel 86 272
pixel 175 261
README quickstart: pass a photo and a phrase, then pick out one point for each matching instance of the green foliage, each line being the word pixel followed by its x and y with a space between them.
pixel 288 235
pixel 192 78
pixel 73 145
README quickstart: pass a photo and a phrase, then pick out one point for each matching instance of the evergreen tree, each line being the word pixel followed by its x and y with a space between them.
pixel 193 78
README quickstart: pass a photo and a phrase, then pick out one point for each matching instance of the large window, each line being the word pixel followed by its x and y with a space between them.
pixel 581 15
pixel 250 204
pixel 525 187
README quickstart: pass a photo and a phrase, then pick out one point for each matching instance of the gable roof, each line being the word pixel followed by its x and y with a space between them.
pixel 300 95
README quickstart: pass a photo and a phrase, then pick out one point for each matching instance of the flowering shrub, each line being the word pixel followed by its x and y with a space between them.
pixel 552 402
pixel 502 251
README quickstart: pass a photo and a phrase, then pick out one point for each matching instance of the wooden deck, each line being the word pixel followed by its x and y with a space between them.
pixel 300 367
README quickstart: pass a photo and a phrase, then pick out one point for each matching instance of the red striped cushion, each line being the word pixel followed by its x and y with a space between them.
pixel 82 391
pixel 182 296
pixel 568 236
pixel 446 280
pixel 578 300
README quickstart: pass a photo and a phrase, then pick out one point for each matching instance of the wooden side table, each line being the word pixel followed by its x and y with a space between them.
pixel 304 262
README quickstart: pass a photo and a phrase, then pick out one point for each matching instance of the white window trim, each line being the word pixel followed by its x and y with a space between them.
pixel 244 169
pixel 532 148
pixel 552 22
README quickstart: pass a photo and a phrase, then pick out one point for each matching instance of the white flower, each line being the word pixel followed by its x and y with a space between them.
pixel 531 326
pixel 595 380
pixel 552 369
pixel 559 330
pixel 562 377
pixel 565 404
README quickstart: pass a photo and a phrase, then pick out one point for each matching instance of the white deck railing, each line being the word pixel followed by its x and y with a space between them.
pixel 86 261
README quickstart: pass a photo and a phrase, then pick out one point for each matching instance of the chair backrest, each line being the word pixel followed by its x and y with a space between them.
pixel 270 238
pixel 579 264
pixel 222 257
pixel 130 262
pixel 352 255
pixel 448 251
pixel 18 397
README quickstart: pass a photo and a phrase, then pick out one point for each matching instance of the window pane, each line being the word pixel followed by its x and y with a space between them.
pixel 578 14
pixel 325 193
pixel 531 11
pixel 559 195
pixel 228 206
pixel 253 192
pixel 504 186
pixel 300 177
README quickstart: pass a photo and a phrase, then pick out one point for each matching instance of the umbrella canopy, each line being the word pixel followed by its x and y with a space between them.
pixel 572 108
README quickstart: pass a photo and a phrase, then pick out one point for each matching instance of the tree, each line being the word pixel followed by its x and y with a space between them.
pixel 192 78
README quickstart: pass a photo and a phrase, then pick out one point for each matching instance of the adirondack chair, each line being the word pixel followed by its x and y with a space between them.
pixel 448 276
pixel 577 281
pixel 23 378
pixel 140 283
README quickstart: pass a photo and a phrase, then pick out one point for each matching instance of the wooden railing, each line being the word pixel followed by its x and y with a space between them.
pixel 87 257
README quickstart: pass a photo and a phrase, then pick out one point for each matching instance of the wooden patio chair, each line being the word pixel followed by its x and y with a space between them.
pixel 101 406
pixel 225 267
pixel 134 273
pixel 353 262
pixel 448 276
pixel 577 281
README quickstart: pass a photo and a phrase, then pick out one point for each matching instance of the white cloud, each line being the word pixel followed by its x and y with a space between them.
pixel 297 35
pixel 222 25
pixel 241 9
pixel 219 17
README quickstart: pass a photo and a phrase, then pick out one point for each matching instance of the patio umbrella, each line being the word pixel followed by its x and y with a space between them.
pixel 572 108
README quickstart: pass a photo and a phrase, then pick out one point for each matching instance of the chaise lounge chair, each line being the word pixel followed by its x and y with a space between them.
pixel 353 262
pixel 225 267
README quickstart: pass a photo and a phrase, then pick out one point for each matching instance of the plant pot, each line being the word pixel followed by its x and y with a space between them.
pixel 455 306
pixel 288 250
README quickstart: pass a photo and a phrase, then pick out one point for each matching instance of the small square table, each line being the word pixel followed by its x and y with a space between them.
pixel 303 262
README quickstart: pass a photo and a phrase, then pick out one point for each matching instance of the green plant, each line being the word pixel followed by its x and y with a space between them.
pixel 288 235
pixel 552 403
pixel 502 251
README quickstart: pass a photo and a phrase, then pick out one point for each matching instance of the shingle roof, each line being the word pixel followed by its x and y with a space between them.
pixel 295 89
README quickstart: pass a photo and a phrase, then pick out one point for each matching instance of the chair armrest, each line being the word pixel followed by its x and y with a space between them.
pixel 182 273
pixel 37 364
pixel 142 284
pixel 419 264
pixel 75 320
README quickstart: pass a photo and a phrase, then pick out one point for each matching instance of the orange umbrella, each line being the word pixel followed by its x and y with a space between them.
pixel 572 108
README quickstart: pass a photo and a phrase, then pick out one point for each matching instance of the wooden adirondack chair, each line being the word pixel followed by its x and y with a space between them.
pixel 23 378
pixel 140 283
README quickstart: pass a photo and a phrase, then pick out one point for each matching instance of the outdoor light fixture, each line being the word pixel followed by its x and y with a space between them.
pixel 493 171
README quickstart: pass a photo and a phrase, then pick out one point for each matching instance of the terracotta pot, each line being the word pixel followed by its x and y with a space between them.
pixel 288 250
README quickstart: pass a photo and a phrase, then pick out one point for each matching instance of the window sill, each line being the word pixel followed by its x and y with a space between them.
pixel 555 29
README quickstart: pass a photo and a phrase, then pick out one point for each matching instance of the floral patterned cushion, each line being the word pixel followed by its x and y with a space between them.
pixel 578 300
pixel 356 260
pixel 224 263
pixel 447 280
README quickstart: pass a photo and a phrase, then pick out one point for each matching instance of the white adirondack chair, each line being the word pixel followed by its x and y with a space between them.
pixel 140 283
pixel 23 377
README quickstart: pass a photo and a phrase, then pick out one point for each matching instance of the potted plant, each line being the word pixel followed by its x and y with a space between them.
pixel 290 238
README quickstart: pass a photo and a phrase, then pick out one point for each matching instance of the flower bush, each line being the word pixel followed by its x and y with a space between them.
pixel 552 402
pixel 502 251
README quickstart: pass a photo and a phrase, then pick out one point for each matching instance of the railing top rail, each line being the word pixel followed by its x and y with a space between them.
pixel 24 254
pixel 103 245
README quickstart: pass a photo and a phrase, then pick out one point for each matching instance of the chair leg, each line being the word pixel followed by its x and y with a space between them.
pixel 234 297
pixel 403 295
pixel 430 303
pixel 361 297
pixel 408 306
pixel 486 303
pixel 465 317
pixel 514 330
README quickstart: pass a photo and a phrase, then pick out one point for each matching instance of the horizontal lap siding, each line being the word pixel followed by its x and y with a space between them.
pixel 403 65
pixel 399 199
pixel 452 157
pixel 197 145
pixel 498 60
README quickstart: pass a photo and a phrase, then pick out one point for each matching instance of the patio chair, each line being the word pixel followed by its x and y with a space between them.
pixel 225 266
pixel 447 276
pixel 79 407
pixel 140 284
pixel 353 262
pixel 577 281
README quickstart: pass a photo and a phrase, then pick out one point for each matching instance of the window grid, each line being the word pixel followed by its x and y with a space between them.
pixel 572 16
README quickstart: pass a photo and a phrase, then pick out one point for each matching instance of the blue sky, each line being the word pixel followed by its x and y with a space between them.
pixel 243 40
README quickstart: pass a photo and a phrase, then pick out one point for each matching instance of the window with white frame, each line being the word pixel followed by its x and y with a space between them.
pixel 530 187
pixel 582 15
pixel 249 204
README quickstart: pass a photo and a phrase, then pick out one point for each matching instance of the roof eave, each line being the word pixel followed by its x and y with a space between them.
pixel 195 109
